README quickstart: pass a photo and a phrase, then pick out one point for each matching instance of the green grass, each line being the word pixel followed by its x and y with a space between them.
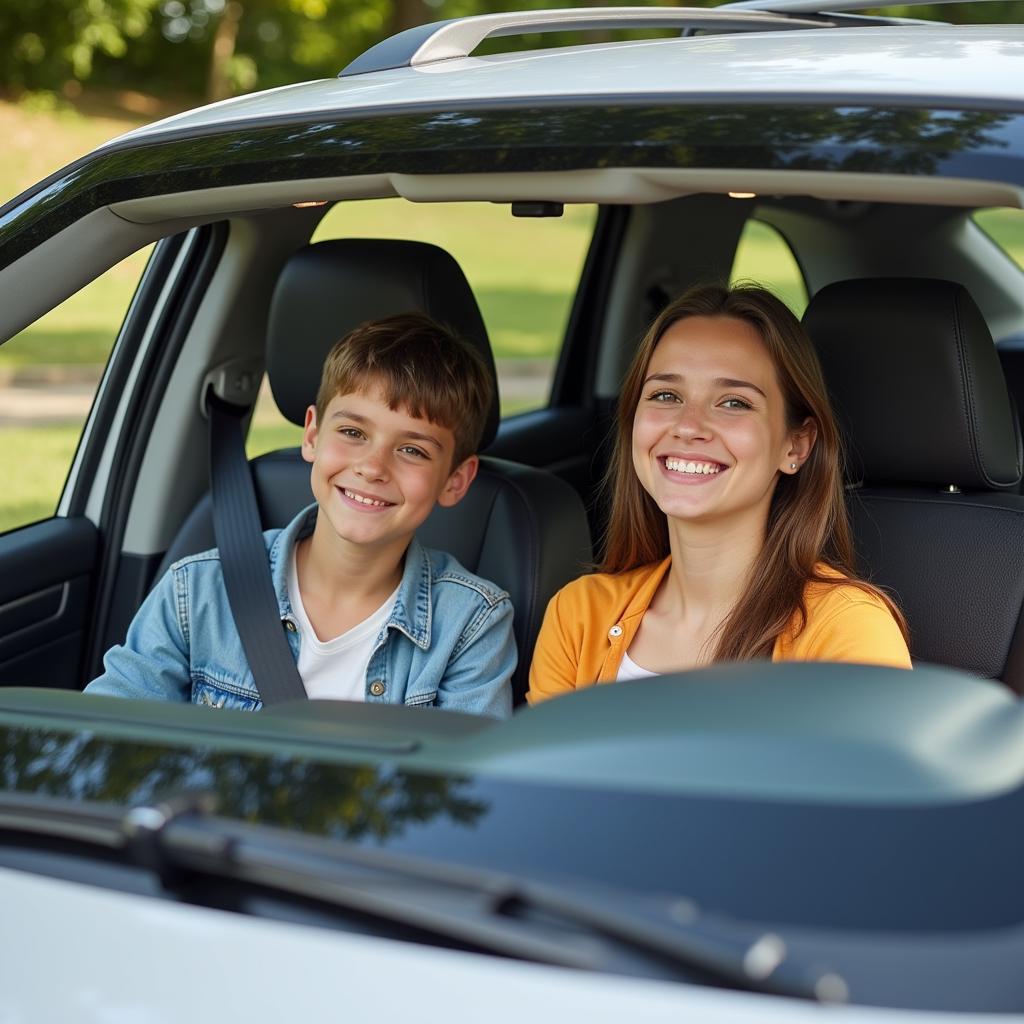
pixel 267 437
pixel 34 462
pixel 82 329
pixel 1006 229
pixel 523 270
pixel 764 257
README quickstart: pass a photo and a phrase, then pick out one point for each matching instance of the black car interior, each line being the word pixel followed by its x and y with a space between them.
pixel 935 472
pixel 934 463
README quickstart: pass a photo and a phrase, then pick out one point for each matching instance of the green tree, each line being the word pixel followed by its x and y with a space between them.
pixel 47 42
pixel 231 46
pixel 217 48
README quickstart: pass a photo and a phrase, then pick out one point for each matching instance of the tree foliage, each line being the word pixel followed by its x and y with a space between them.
pixel 46 42
pixel 215 48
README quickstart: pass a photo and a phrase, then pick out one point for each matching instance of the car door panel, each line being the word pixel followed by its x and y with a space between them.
pixel 46 574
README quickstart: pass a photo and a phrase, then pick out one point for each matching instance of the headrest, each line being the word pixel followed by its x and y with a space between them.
pixel 328 288
pixel 916 383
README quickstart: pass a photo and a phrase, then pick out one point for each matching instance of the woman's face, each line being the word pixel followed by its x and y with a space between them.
pixel 709 432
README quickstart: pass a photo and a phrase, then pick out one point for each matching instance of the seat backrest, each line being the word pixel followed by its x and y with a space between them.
pixel 1011 356
pixel 933 449
pixel 521 527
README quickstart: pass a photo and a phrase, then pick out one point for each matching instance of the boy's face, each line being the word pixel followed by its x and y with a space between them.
pixel 378 472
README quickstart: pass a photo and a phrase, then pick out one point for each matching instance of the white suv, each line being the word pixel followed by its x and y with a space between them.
pixel 734 844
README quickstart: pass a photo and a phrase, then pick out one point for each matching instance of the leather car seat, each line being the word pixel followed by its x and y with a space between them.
pixel 1011 356
pixel 520 527
pixel 933 449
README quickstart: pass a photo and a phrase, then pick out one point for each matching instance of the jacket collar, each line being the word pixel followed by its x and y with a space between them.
pixel 644 594
pixel 413 606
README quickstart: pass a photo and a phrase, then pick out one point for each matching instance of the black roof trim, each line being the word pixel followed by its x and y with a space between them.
pixel 511 103
pixel 517 137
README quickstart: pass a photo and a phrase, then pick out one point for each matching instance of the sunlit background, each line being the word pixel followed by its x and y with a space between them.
pixel 75 73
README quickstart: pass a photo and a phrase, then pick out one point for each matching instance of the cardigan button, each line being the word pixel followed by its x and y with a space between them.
pixel 290 626
pixel 377 688
pixel 615 631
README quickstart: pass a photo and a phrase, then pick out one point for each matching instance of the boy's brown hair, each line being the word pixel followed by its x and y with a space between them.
pixel 420 365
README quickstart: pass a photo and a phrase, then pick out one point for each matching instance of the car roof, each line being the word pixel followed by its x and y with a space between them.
pixel 919 65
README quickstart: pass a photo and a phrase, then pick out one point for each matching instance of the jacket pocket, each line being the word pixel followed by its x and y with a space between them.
pixel 209 693
pixel 421 700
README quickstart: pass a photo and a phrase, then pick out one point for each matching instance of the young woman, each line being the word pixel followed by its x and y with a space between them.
pixel 728 537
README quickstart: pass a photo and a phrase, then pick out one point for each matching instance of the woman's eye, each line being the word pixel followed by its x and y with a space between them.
pixel 736 403
pixel 664 396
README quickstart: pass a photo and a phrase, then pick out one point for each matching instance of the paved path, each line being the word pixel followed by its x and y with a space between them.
pixel 32 402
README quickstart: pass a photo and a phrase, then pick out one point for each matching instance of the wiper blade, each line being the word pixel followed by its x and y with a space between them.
pixel 93 823
pixel 497 911
pixel 593 929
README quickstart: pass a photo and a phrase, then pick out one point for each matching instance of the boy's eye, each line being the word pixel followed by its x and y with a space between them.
pixel 353 432
pixel 411 449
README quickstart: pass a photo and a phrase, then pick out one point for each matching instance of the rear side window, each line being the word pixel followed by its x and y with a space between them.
pixel 524 272
pixel 1006 228
pixel 764 257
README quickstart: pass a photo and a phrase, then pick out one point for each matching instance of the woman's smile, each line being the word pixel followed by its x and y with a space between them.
pixel 709 432
pixel 688 470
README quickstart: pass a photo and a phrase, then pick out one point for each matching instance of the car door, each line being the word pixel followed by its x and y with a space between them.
pixel 73 399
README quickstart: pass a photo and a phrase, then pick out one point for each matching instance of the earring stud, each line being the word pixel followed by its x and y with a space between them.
pixel 792 465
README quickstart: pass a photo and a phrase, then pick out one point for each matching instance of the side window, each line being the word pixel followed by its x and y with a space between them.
pixel 764 257
pixel 48 378
pixel 523 270
pixel 1006 228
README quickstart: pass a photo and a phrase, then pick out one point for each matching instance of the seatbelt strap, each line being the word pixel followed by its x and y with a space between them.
pixel 243 558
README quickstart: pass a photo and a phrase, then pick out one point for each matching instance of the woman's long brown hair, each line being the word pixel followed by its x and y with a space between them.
pixel 807 520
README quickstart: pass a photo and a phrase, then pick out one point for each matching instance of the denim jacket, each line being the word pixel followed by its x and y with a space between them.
pixel 448 642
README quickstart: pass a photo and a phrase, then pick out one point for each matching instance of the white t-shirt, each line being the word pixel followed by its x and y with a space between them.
pixel 629 669
pixel 335 669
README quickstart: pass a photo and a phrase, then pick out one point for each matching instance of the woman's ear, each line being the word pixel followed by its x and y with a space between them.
pixel 458 482
pixel 309 433
pixel 801 441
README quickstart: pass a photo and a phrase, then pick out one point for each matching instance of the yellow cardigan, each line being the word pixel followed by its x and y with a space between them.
pixel 590 624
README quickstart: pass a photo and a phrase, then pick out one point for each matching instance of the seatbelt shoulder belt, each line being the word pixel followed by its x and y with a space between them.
pixel 243 558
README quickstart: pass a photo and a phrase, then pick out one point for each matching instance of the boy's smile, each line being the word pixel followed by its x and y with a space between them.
pixel 365 502
pixel 378 472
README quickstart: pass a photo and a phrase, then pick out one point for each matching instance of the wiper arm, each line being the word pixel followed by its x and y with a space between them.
pixel 181 840
pixel 496 911
pixel 724 951
pixel 482 909
pixel 91 823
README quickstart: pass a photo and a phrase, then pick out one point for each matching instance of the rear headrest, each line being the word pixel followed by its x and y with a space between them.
pixel 916 383
pixel 330 287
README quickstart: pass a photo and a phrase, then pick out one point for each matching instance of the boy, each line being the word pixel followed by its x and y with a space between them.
pixel 370 614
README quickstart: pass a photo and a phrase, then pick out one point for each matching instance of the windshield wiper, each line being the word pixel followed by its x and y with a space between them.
pixel 589 928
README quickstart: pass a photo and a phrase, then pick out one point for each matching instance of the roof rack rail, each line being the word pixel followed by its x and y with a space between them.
pixel 459 37
pixel 825 8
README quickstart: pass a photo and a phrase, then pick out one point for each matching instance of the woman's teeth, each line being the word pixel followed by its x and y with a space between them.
pixel 703 468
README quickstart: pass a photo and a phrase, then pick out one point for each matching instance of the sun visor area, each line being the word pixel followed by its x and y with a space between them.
pixel 607 185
